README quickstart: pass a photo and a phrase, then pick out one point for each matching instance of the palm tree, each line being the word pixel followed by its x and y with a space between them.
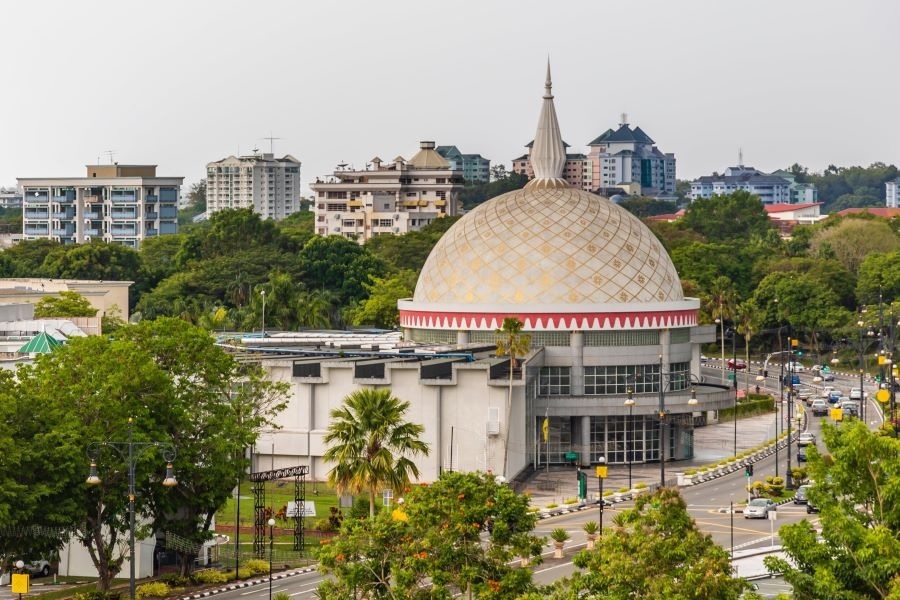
pixel 371 444
pixel 721 301
pixel 748 318
pixel 513 343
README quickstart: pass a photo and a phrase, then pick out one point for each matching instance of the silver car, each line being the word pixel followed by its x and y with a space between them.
pixel 759 508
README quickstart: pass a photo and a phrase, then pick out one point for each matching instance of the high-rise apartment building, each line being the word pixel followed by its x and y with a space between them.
pixel 475 167
pixel 628 158
pixel 269 186
pixel 121 204
pixel 10 198
pixel 892 193
pixel 387 199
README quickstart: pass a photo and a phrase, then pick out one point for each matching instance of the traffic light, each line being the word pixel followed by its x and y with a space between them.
pixel 748 470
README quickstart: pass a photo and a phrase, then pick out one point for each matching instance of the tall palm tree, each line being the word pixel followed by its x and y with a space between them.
pixel 749 319
pixel 371 444
pixel 515 344
pixel 721 302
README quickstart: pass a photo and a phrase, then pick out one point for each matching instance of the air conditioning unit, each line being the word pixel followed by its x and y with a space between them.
pixel 493 421
pixel 337 217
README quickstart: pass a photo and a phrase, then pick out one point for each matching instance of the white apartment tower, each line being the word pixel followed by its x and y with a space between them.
pixel 120 204
pixel 892 193
pixel 267 185
pixel 387 199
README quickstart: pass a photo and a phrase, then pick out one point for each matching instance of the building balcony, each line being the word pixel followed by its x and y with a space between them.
pixel 63 215
pixel 91 215
pixel 151 198
pixel 121 231
pixel 440 203
pixel 151 216
pixel 63 232
pixel 91 232
pixel 152 231
pixel 37 230
pixel 63 199
pixel 37 214
pixel 123 199
pixel 355 203
pixel 124 214
pixel 32 199
pixel 168 212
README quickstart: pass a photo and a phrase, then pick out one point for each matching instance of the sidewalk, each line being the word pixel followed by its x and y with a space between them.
pixel 712 443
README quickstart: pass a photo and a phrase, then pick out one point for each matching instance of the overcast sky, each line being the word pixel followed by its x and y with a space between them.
pixel 182 83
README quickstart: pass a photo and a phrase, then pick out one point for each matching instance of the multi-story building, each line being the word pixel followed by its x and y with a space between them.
pixel 121 204
pixel 577 170
pixel 10 198
pixel 269 186
pixel 475 167
pixel 779 187
pixel 628 158
pixel 892 193
pixel 387 199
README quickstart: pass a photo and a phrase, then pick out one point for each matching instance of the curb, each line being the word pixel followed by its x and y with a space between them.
pixel 248 583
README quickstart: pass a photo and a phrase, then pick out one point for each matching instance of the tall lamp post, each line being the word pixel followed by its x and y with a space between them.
pixel 271 545
pixel 721 324
pixel 629 402
pixel 788 476
pixel 131 451
pixel 734 383
pixel 601 475
pixel 263 294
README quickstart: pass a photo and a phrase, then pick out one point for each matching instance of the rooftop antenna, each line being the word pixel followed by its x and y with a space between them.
pixel 740 157
pixel 271 139
pixel 624 119
pixel 110 154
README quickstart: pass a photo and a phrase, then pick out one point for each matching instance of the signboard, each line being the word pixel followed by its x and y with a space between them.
pixel 601 472
pixel 307 509
pixel 20 583
pixel 883 396
pixel 571 456
pixel 837 414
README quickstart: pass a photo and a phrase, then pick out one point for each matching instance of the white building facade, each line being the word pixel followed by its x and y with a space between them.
pixel 779 187
pixel 387 199
pixel 121 204
pixel 628 158
pixel 267 185
pixel 892 194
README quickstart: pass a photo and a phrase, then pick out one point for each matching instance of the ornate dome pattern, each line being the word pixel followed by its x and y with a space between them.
pixel 548 245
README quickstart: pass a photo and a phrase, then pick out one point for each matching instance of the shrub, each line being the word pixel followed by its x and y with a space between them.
pixel 607 493
pixel 691 472
pixel 623 490
pixel 282 596
pixel 570 500
pixel 552 505
pixel 243 573
pixel 97 595
pixel 591 527
pixel 209 576
pixel 533 509
pixel 157 589
pixel 640 486
pixel 559 535
pixel 324 525
pixel 257 567
pixel 176 581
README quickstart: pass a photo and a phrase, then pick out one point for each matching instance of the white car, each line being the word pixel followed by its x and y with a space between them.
pixel 806 438
pixel 795 367
pixel 856 394
pixel 826 391
pixel 759 508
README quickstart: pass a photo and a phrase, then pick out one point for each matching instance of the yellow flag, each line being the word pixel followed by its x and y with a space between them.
pixel 545 429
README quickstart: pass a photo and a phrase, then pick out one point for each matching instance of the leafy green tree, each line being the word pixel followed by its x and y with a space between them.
pixel 475 194
pixel 340 265
pixel 315 309
pixel 380 308
pixel 157 256
pixel 852 239
pixel 643 207
pixel 857 553
pixel 67 304
pixel 371 445
pixel 514 343
pixel 25 258
pixel 431 545
pixel 703 263
pixel 298 227
pixel 654 550
pixel 739 215
pixel 879 274
pixel 96 260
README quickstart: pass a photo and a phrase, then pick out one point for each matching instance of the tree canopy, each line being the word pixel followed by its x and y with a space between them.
pixel 67 304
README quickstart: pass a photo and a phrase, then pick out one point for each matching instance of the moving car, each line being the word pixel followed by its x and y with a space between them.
pixel 811 508
pixel 759 508
pixel 850 408
pixel 826 391
pixel 819 408
pixel 856 394
pixel 806 438
pixel 736 363
pixel 800 495
pixel 801 453
pixel 804 393
pixel 38 567
pixel 827 376
pixel 795 367
pixel 834 396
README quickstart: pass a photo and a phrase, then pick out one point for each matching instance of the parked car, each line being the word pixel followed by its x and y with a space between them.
pixel 736 363
pixel 806 438
pixel 800 494
pixel 38 567
pixel 819 408
pixel 759 508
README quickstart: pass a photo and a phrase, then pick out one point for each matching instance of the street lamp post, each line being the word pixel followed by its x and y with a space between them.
pixel 271 544
pixel 721 324
pixel 263 294
pixel 788 477
pixel 601 475
pixel 734 384
pixel 130 451
pixel 629 402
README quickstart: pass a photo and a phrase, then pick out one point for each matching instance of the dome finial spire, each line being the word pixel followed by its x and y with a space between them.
pixel 548 153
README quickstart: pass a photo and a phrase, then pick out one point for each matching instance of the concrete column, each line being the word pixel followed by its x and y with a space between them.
pixel 576 373
pixel 462 337
pixel 585 447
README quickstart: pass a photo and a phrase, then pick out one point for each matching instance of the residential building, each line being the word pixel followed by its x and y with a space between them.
pixel 10 198
pixel 629 158
pixel 577 170
pixel 267 185
pixel 892 193
pixel 604 308
pixel 883 212
pixel 387 199
pixel 110 298
pixel 121 204
pixel 475 167
pixel 787 216
pixel 779 187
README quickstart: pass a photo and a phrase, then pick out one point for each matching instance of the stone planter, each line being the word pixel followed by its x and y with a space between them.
pixel 591 541
pixel 558 549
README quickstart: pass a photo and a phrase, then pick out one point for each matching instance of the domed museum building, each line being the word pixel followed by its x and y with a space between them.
pixel 602 303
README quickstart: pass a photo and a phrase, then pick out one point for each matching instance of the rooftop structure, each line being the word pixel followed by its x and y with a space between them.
pixel 475 168
pixel 267 185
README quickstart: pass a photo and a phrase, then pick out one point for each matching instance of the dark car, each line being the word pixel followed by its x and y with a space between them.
pixel 800 495
pixel 811 508
pixel 801 454
pixel 819 408
pixel 827 376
